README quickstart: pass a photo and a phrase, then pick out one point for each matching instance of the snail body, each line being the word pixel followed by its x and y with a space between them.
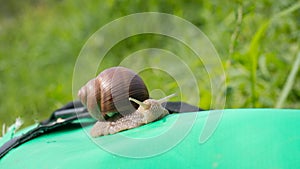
pixel 119 91
pixel 148 111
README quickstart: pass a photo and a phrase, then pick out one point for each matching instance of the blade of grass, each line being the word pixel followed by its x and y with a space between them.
pixel 288 10
pixel 237 30
pixel 289 82
pixel 253 53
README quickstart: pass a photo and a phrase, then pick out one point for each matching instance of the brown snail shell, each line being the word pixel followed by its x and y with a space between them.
pixel 110 92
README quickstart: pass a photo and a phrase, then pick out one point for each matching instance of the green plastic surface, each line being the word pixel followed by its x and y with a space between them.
pixel 244 138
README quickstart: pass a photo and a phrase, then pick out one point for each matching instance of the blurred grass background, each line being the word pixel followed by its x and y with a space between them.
pixel 258 43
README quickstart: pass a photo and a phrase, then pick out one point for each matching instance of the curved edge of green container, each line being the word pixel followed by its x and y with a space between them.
pixel 244 138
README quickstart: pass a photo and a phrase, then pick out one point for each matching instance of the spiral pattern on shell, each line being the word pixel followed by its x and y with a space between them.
pixel 110 92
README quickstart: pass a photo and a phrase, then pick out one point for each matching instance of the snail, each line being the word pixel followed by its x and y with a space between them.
pixel 113 98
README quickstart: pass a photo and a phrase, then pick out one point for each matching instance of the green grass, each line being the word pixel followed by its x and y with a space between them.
pixel 258 43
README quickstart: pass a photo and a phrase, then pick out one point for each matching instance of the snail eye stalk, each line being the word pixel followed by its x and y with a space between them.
pixel 166 98
pixel 144 105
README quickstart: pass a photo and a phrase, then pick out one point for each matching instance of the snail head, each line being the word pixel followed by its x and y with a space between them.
pixel 152 109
